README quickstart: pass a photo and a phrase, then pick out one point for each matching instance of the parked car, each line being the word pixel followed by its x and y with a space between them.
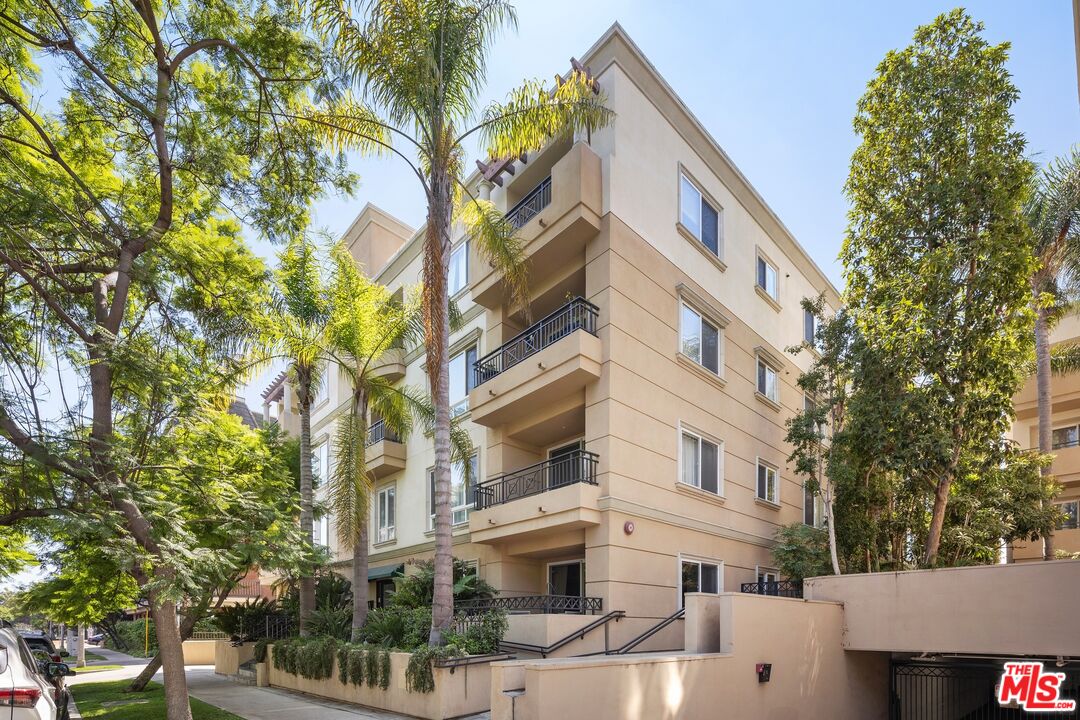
pixel 26 687
pixel 96 639
pixel 40 643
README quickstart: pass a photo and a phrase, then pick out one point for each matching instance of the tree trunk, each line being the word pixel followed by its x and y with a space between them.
pixel 436 262
pixel 937 520
pixel 360 583
pixel 80 644
pixel 307 516
pixel 187 626
pixel 1045 401
pixel 171 649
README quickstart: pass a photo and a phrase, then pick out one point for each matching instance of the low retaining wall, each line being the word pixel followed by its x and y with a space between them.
pixel 458 691
pixel 227 658
pixel 200 652
pixel 812 675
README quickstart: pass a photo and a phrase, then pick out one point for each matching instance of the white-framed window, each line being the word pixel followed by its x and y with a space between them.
pixel 461 380
pixel 320 463
pixel 699 575
pixel 472 567
pixel 321 390
pixel 386 513
pixel 320 532
pixel 767 275
pixel 1071 509
pixel 458 276
pixel 813 508
pixel 767 575
pixel 702 462
pixel 698 215
pixel 699 339
pixel 810 326
pixel 767 383
pixel 1068 436
pixel 768 482
pixel 461 491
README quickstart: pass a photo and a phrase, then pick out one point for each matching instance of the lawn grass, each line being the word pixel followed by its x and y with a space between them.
pixel 147 705
pixel 95 668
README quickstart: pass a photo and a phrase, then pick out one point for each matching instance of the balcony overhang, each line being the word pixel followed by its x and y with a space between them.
pixel 556 372
pixel 558 233
pixel 572 507
pixel 385 457
pixel 390 365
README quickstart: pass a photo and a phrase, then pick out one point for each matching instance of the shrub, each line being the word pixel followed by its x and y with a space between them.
pixel 132 634
pixel 416 590
pixel 397 627
pixel 260 650
pixel 332 622
pixel 802 551
pixel 247 620
pixel 480 635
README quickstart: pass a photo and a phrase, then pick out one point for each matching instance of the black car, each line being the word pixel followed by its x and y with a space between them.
pixel 45 652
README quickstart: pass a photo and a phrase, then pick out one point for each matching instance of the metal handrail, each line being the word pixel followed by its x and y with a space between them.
pixel 575 467
pixel 776 588
pixel 531 205
pixel 531 603
pixel 545 650
pixel 379 432
pixel 457 662
pixel 578 314
pixel 677 615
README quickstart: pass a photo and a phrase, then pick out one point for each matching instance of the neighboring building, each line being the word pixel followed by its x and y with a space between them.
pixel 630 439
pixel 1066 444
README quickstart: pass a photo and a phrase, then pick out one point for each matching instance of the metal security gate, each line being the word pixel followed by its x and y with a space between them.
pixel 962 690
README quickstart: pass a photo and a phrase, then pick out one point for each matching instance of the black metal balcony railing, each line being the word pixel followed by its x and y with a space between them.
pixel 578 314
pixel 533 604
pixel 379 432
pixel 578 466
pixel 531 205
pixel 779 588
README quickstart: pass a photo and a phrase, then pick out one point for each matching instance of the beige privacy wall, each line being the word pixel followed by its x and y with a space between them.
pixel 1021 609
pixel 812 675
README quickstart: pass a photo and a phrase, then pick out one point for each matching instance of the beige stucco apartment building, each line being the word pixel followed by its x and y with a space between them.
pixel 630 431
pixel 1065 391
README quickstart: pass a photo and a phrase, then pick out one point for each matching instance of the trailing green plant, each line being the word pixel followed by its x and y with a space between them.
pixel 310 658
pixel 420 675
pixel 480 635
pixel 384 669
pixel 356 665
pixel 371 666
pixel 259 653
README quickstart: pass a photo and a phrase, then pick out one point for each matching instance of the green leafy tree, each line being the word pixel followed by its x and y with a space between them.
pixel 418 68
pixel 936 258
pixel 802 551
pixel 1053 217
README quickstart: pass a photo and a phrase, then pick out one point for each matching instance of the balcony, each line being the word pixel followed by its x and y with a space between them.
pixel 390 365
pixel 533 605
pixel 385 451
pixel 555 218
pixel 776 588
pixel 548 362
pixel 564 493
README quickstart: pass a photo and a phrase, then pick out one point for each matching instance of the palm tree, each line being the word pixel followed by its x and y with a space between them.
pixel 1053 214
pixel 419 66
pixel 296 329
pixel 365 323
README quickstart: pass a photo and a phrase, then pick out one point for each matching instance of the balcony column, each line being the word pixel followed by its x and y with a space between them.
pixel 485 189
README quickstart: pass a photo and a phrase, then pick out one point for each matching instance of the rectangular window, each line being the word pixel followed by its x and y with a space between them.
pixel 1071 521
pixel 766 277
pixel 813 508
pixel 698 216
pixel 459 269
pixel 322 387
pixel 461 380
pixel 320 464
pixel 767 575
pixel 809 327
pixel 700 339
pixel 386 512
pixel 766 381
pixel 699 576
pixel 321 531
pixel 1066 437
pixel 461 491
pixel 700 463
pixel 767 483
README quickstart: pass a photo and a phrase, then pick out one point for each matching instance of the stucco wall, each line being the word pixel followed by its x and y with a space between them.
pixel 812 675
pixel 228 658
pixel 1021 609
pixel 465 691
pixel 200 652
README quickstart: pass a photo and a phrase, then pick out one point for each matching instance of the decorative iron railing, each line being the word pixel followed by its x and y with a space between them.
pixel 379 432
pixel 779 588
pixel 578 314
pixel 578 466
pixel 534 604
pixel 279 626
pixel 531 205
pixel 208 635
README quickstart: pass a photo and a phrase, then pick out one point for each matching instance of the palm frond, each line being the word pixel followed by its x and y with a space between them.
pixel 1065 359
pixel 532 115
pixel 349 491
pixel 497 240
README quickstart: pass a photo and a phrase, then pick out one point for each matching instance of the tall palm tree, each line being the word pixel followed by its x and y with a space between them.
pixel 296 331
pixel 419 67
pixel 1053 214
pixel 365 323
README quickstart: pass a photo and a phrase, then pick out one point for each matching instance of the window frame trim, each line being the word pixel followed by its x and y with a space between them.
pixel 700 560
pixel 379 492
pixel 760 463
pixel 684 428
pixel 703 196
